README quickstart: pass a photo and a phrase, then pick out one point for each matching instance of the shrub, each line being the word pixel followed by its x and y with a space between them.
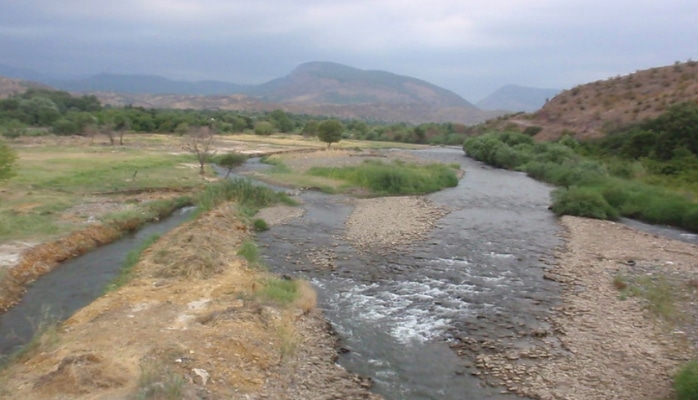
pixel 7 161
pixel 582 202
pixel 282 291
pixel 260 225
pixel 686 381
pixel 242 191
pixel 396 178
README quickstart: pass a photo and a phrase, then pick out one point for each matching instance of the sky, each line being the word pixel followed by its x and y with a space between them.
pixel 469 47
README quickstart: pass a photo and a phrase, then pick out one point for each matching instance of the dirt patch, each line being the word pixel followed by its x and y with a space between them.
pixel 602 344
pixel 203 335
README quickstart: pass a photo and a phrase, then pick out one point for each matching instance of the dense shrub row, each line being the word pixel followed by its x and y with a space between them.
pixel 587 187
pixel 394 178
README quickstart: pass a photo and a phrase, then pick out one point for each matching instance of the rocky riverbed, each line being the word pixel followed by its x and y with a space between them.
pixel 603 339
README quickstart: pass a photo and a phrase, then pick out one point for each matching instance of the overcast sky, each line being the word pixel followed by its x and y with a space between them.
pixel 469 47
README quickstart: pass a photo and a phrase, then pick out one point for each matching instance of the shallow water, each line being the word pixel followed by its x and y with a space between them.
pixel 73 285
pixel 477 274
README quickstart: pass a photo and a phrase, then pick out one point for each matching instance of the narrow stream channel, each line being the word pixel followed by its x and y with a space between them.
pixel 73 285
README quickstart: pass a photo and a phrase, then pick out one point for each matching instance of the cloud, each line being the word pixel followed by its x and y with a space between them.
pixel 469 47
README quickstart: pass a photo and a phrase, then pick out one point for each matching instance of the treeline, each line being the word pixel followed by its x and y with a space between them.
pixel 620 175
pixel 41 111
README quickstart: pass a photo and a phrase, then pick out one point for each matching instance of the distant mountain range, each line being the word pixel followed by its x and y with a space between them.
pixel 314 88
pixel 517 98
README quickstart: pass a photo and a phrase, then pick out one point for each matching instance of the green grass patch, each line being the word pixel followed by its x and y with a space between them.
pixel 658 293
pixel 281 291
pixel 395 178
pixel 132 258
pixel 686 381
pixel 260 225
pixel 278 167
pixel 242 191
pixel 250 252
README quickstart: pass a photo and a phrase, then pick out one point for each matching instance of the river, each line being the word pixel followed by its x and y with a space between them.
pixel 477 275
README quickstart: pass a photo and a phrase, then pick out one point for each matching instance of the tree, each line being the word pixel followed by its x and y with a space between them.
pixel 230 161
pixel 263 128
pixel 201 144
pixel 330 131
pixel 7 161
pixel 310 128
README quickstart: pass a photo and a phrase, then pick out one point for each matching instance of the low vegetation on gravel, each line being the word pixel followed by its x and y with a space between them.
pixel 621 175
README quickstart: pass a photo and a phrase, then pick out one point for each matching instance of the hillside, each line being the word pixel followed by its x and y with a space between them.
pixel 330 83
pixel 315 88
pixel 516 98
pixel 9 86
pixel 589 110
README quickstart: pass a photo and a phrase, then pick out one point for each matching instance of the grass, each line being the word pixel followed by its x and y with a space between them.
pixel 280 291
pixel 158 381
pixel 260 225
pixel 51 179
pixel 132 258
pixel 249 196
pixel 250 252
pixel 44 339
pixel 657 292
pixel 686 381
pixel 396 178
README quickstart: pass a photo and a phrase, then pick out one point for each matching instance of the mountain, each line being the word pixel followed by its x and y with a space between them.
pixel 331 83
pixel 593 109
pixel 316 88
pixel 9 86
pixel 147 84
pixel 515 98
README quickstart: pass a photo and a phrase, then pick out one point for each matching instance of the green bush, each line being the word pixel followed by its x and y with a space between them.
pixel 393 179
pixel 686 381
pixel 282 291
pixel 8 157
pixel 242 191
pixel 582 202
pixel 260 225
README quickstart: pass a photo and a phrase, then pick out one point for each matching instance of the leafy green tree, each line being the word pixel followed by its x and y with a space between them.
pixel 263 128
pixel 7 161
pixel 281 121
pixel 230 161
pixel 330 131
pixel 310 128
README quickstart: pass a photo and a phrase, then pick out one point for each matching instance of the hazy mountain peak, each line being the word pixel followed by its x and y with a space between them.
pixel 517 98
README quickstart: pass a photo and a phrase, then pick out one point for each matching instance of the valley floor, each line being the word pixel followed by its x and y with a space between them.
pixel 211 337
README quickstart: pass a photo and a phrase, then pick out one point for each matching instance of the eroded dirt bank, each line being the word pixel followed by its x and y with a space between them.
pixel 191 324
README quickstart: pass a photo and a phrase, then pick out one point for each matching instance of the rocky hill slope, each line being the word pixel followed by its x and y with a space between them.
pixel 591 110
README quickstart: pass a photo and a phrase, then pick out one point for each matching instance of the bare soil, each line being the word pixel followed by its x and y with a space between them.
pixel 193 321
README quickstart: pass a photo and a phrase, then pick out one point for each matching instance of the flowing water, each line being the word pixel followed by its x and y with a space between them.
pixel 73 285
pixel 478 274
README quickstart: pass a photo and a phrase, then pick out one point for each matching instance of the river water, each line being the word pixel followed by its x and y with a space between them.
pixel 73 285
pixel 478 274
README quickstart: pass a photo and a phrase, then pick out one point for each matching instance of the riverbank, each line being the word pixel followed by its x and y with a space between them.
pixel 607 337
pixel 193 334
